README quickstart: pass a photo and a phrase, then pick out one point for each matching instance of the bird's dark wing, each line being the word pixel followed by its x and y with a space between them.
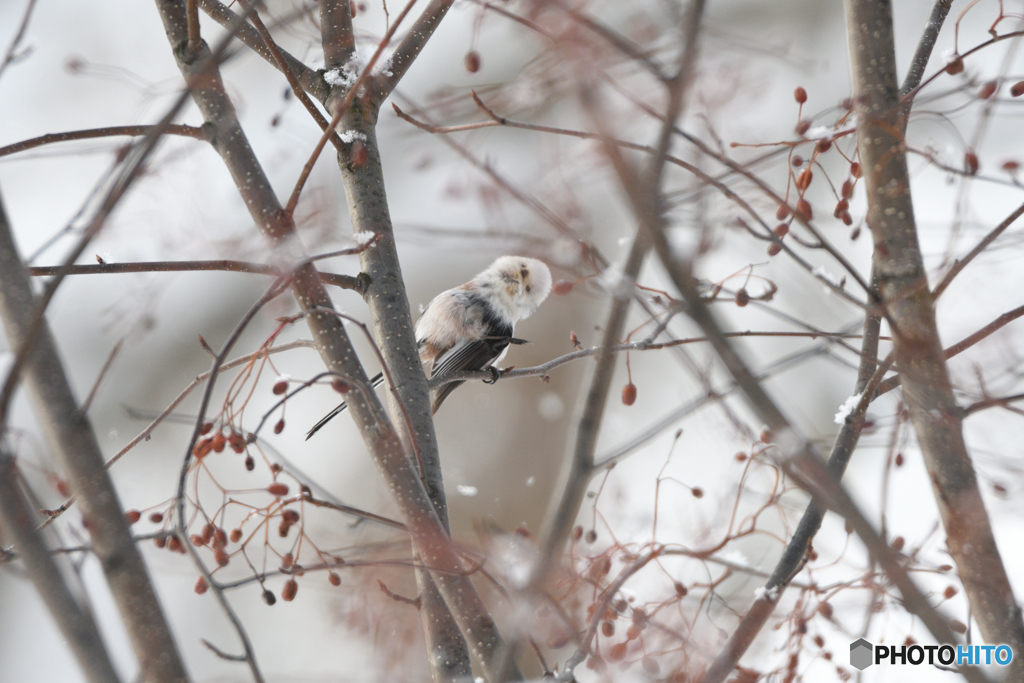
pixel 375 382
pixel 474 355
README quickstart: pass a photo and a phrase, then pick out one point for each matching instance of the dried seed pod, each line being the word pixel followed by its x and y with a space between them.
pixel 803 181
pixel 202 448
pixel 201 585
pixel 278 489
pixel 629 394
pixel 971 162
pixel 472 61
pixel 800 95
pixel 803 210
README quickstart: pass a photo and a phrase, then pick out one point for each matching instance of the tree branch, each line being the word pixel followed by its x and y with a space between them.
pixel 903 287
pixel 74 445
pixel 72 618
pixel 109 131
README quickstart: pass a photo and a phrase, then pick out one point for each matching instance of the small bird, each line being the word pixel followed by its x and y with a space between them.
pixel 470 327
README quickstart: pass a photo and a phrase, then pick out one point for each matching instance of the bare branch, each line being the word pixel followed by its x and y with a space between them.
pixel 293 81
pixel 919 62
pixel 311 81
pixel 12 55
pixel 109 131
pixel 813 477
pixel 908 305
pixel 344 281
pixel 74 621
pixel 409 48
pixel 75 447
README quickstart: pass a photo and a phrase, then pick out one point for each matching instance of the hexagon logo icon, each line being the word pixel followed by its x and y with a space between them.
pixel 861 652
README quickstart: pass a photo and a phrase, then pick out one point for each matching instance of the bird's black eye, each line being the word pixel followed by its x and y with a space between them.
pixel 524 272
pixel 528 289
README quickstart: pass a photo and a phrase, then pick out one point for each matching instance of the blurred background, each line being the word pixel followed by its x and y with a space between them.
pixel 504 447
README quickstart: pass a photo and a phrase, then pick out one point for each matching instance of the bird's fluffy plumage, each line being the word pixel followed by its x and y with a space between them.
pixel 470 327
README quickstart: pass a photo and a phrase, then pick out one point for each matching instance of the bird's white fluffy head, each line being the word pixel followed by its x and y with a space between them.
pixel 517 285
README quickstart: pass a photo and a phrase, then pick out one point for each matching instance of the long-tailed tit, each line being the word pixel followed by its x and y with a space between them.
pixel 470 327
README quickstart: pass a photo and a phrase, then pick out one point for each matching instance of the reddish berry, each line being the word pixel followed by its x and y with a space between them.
pixel 629 394
pixel 971 163
pixel 562 287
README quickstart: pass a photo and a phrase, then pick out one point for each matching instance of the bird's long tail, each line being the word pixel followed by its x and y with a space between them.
pixel 375 382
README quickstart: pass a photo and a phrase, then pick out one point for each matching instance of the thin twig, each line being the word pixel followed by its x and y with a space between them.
pixel 338 280
pixel 103 373
pixel 109 131
pixel 919 62
pixel 988 239
pixel 11 57
pixel 293 81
